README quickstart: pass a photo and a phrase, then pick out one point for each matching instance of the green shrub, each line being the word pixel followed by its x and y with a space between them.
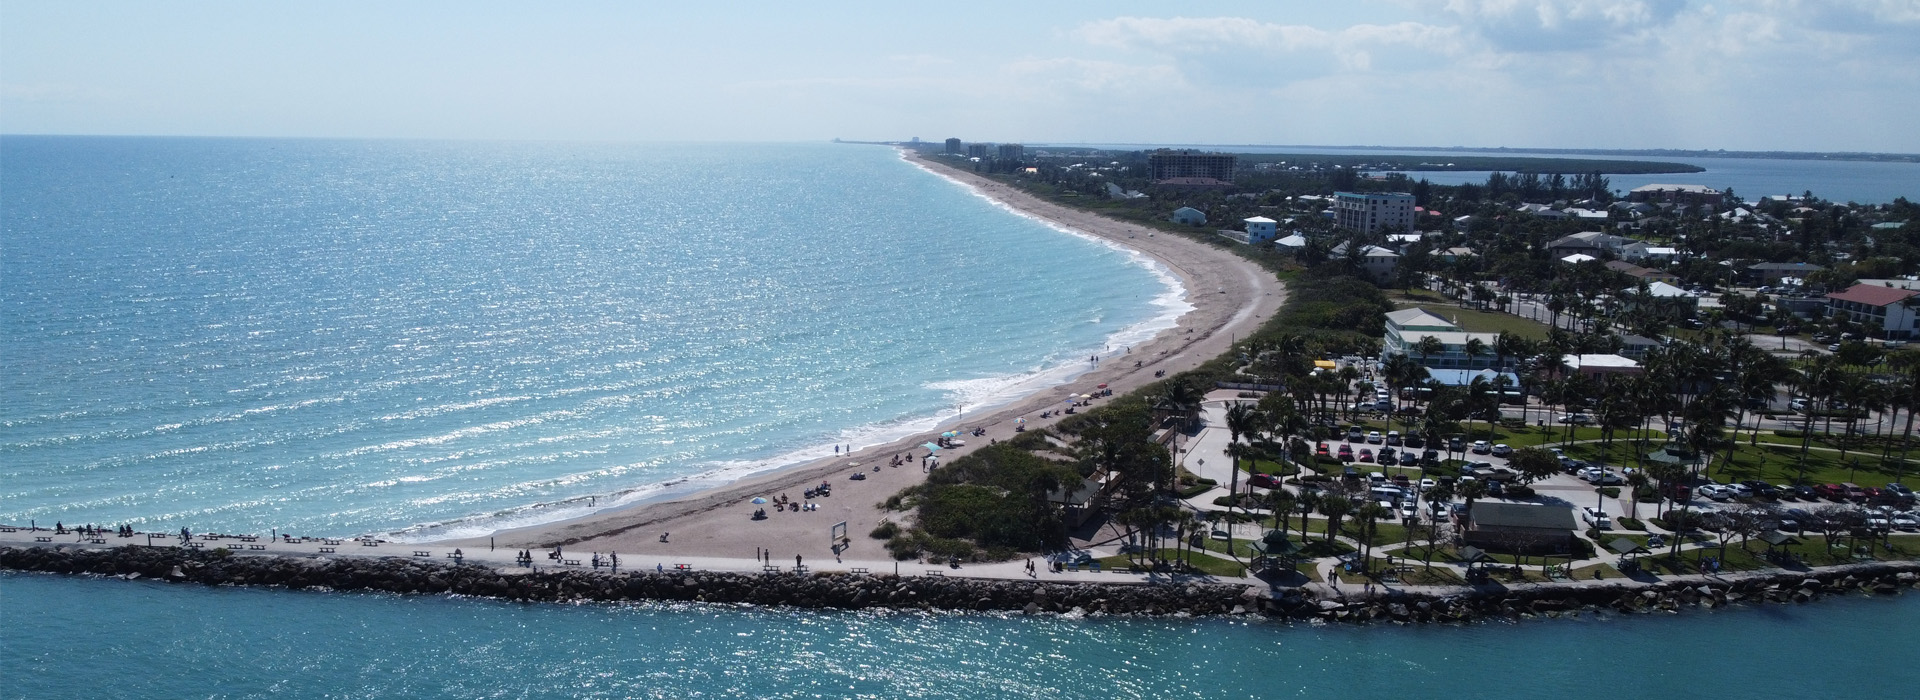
pixel 1610 491
pixel 886 530
pixel 1631 524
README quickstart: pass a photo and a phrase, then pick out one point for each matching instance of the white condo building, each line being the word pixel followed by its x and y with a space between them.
pixel 1372 212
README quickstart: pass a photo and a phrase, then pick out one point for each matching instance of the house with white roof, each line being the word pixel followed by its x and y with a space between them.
pixel 1599 367
pixel 1376 261
pixel 1260 229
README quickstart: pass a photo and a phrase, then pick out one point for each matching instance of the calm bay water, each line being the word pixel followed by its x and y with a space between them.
pixel 341 337
pixel 89 638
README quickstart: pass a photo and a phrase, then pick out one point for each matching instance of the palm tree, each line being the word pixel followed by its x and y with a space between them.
pixel 1335 507
pixel 1242 419
pixel 1280 501
pixel 1472 491
pixel 1428 347
pixel 1370 514
pixel 1475 348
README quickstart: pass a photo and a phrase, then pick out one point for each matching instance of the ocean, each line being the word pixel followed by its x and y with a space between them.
pixel 439 339
pixel 69 637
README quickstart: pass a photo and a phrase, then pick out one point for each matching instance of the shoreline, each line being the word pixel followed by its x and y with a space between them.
pixel 1244 295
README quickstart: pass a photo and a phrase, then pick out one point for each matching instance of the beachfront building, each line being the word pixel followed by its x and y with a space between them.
pixel 1772 273
pixel 1373 211
pixel 1012 151
pixel 1190 167
pixel 979 150
pixel 1189 216
pixel 1406 327
pixel 1887 311
pixel 1260 229
pixel 954 146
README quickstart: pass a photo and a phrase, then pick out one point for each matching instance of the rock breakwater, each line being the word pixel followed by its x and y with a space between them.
pixel 846 591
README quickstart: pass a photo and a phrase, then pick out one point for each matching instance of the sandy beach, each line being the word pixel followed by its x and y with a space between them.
pixel 1230 297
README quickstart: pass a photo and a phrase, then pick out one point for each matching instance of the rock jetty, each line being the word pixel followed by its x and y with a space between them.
pixel 847 591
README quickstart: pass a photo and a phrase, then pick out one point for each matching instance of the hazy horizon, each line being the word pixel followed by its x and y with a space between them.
pixel 1775 75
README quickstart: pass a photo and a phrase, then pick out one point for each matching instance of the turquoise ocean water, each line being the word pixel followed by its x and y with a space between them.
pixel 91 638
pixel 344 337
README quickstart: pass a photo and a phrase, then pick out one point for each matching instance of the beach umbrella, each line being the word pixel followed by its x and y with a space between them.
pixel 1019 421
pixel 759 501
pixel 930 446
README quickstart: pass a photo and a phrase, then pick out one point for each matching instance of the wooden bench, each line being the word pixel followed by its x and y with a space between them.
pixel 422 553
pixel 326 550
pixel 684 567
pixel 769 569
pixel 330 543
pixel 249 539
pixel 43 539
pixel 859 571
pixel 936 572
pixel 195 545
pixel 570 562
pixel 98 540
pixel 257 547
pixel 369 543
pixel 9 529
pixel 800 570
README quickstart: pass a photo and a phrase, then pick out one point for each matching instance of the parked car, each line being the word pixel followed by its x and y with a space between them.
pixel 1654 541
pixel 1430 456
pixel 1320 450
pixel 1502 450
pixel 1366 455
pixel 1481 447
pixel 1414 440
pixel 1897 494
pixel 1354 434
pixel 1833 492
pixel 1409 510
pixel 1456 444
pixel 1906 521
pixel 1596 517
pixel 1374 437
pixel 1738 490
pixel 1854 492
pixel 1426 485
pixel 1409 459
pixel 1804 492
pixel 1387 456
pixel 1265 481
pixel 1576 418
pixel 1797 405
pixel 1376 478
pixel 1713 491
pixel 1393 438
pixel 1607 478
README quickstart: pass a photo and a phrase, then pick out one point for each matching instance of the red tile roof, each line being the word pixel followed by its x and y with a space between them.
pixel 1873 295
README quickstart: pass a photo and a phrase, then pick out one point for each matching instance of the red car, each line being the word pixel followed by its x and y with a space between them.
pixel 1321 450
pixel 1834 492
pixel 1265 481
pixel 1366 454
pixel 1346 453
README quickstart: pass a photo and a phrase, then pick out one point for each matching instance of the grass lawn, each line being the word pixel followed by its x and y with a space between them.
pixel 1205 563
pixel 1474 321
pixel 1769 462
pixel 1267 466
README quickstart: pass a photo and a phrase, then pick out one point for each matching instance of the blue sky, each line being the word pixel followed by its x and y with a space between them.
pixel 1752 75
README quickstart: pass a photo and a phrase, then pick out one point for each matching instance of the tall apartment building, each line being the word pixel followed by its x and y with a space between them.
pixel 1012 151
pixel 953 146
pixel 1371 212
pixel 1166 164
pixel 979 150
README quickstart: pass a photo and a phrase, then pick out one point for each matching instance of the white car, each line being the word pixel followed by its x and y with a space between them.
pixel 1502 450
pixel 1409 511
pixel 1481 447
pixel 1596 517
pixel 1427 485
pixel 1906 521
pixel 1739 490
pixel 1713 491
pixel 1374 438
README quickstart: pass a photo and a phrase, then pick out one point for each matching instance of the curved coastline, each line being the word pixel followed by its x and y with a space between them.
pixel 1245 296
